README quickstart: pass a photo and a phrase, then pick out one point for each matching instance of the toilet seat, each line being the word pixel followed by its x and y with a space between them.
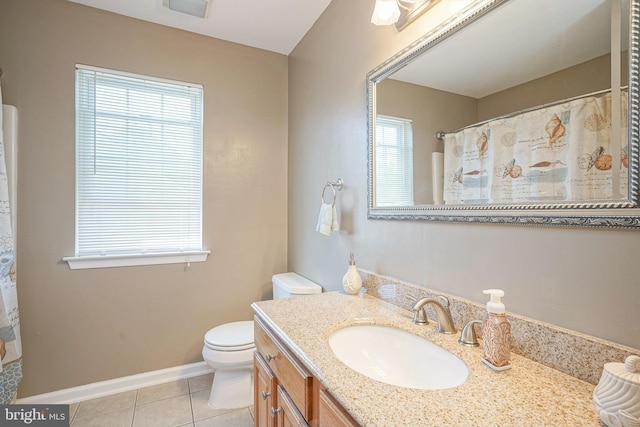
pixel 234 336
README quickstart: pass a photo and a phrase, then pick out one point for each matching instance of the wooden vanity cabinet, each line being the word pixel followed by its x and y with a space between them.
pixel 286 383
pixel 286 394
pixel 331 413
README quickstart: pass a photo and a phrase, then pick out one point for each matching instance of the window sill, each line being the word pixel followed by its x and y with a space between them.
pixel 106 261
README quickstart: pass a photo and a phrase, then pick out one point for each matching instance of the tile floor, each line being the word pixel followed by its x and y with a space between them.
pixel 175 404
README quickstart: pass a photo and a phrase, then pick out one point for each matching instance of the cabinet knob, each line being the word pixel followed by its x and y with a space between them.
pixel 265 395
pixel 269 357
pixel 274 411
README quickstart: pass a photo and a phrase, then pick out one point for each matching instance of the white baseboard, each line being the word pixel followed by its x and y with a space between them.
pixel 118 385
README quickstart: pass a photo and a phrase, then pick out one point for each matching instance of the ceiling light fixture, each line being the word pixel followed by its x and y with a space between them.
pixel 197 8
pixel 399 12
pixel 385 12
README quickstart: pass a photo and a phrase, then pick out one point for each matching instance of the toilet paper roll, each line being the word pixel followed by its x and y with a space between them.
pixel 437 173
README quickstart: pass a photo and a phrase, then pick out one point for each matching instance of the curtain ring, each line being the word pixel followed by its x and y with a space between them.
pixel 334 193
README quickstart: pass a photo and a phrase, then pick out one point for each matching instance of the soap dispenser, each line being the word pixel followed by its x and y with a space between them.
pixel 496 333
pixel 351 281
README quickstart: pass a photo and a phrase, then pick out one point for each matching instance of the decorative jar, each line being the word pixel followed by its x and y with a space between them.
pixel 617 395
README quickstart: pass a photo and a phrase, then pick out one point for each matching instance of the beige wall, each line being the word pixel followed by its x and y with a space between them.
pixel 84 326
pixel 582 279
pixel 588 77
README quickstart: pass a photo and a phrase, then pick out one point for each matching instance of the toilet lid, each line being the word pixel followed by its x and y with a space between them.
pixel 232 336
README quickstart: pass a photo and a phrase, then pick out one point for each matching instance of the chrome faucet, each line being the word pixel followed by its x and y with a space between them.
pixel 443 314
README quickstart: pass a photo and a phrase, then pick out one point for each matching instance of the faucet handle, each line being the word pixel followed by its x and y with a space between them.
pixel 468 335
pixel 420 314
pixel 443 300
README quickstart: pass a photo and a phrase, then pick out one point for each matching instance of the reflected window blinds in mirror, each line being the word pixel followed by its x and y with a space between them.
pixel 394 152
pixel 538 100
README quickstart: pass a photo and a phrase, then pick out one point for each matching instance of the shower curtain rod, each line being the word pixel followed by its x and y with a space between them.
pixel 440 134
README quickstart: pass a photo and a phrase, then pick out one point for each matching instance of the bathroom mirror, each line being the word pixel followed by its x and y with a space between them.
pixel 511 111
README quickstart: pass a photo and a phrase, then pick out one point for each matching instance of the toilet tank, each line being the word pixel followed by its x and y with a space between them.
pixel 287 285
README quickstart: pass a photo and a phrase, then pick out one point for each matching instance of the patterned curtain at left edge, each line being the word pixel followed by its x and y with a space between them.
pixel 10 343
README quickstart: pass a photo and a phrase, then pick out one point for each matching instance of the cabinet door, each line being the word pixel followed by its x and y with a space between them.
pixel 331 413
pixel 291 373
pixel 287 413
pixel 264 395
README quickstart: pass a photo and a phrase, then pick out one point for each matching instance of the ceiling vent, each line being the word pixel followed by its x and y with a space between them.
pixel 196 8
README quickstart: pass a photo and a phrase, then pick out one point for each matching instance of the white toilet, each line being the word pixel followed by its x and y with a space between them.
pixel 228 348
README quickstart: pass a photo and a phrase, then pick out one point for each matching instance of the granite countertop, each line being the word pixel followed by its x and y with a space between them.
pixel 529 394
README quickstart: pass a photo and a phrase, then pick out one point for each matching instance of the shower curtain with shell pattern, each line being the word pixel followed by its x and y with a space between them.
pixel 554 154
pixel 10 344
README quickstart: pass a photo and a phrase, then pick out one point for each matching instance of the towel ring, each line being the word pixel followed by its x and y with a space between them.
pixel 332 189
pixel 338 184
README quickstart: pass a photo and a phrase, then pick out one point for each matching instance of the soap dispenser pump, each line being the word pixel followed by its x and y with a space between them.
pixel 351 281
pixel 496 333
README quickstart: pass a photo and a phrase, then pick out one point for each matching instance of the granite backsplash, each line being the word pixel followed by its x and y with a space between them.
pixel 579 355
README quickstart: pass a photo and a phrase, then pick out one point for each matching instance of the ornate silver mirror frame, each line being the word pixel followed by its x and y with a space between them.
pixel 622 213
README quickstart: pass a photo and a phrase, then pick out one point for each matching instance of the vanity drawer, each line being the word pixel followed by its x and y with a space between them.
pixel 290 373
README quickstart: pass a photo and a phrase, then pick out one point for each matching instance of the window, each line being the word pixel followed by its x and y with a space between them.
pixel 394 161
pixel 138 170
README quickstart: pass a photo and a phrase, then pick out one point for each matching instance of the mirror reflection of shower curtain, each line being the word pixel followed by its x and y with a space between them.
pixel 557 153
pixel 10 343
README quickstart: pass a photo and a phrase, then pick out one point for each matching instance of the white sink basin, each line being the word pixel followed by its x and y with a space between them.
pixel 397 357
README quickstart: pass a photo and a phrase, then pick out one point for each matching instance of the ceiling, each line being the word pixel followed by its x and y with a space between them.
pixel 274 25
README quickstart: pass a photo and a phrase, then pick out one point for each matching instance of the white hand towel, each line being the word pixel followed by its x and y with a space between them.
pixel 334 219
pixel 327 219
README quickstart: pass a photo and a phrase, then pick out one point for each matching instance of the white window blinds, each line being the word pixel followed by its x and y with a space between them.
pixel 138 164
pixel 394 162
